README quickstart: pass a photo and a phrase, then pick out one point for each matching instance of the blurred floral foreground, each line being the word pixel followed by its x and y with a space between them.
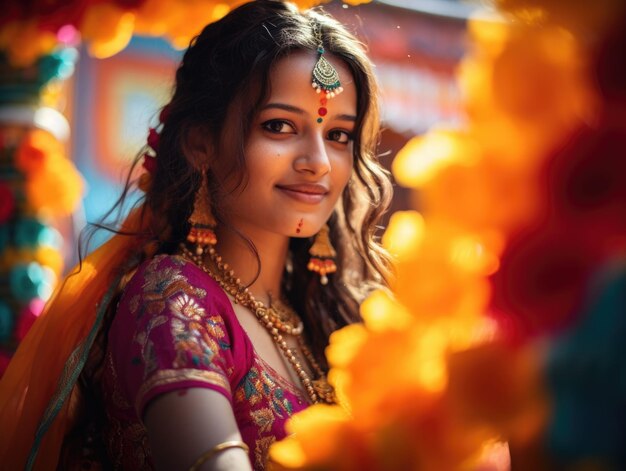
pixel 507 321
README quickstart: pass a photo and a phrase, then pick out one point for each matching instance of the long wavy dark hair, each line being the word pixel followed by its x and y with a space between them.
pixel 224 74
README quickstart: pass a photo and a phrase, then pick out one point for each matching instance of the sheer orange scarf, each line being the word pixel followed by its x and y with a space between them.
pixel 34 410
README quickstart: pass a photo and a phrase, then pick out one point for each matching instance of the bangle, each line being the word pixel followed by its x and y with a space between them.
pixel 207 455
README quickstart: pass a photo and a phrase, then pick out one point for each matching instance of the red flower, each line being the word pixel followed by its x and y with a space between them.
pixel 586 183
pixel 153 139
pixel 609 68
pixel 149 163
pixel 165 112
pixel 7 203
pixel 542 280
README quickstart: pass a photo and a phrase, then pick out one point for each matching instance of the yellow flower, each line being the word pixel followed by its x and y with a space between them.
pixel 423 157
pixel 320 437
pixel 50 257
pixel 404 234
pixel 434 283
pixel 380 312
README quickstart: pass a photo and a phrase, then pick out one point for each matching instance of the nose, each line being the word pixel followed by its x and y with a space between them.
pixel 313 158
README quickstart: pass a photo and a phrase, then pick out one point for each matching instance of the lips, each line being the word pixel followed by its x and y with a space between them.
pixel 310 193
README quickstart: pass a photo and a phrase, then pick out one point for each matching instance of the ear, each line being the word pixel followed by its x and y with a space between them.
pixel 198 148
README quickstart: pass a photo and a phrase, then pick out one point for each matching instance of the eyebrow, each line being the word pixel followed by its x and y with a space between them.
pixel 295 109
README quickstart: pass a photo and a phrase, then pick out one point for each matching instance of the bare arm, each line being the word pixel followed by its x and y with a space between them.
pixel 182 426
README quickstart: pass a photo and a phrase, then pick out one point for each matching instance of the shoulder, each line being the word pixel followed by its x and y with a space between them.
pixel 174 328
pixel 174 278
pixel 173 319
pixel 170 290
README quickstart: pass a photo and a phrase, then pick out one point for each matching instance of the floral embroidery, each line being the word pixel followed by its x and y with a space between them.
pixel 160 284
pixel 147 346
pixel 263 418
pixel 259 387
pixel 184 307
pixel 191 336
pixel 166 288
pixel 267 405
pixel 261 447
pixel 127 444
pixel 134 303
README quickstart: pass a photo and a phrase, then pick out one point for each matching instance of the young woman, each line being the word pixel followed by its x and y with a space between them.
pixel 189 339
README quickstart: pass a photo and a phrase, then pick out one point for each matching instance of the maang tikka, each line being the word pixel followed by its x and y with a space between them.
pixel 202 221
pixel 325 78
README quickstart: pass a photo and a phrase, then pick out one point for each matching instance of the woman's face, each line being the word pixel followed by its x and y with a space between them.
pixel 297 167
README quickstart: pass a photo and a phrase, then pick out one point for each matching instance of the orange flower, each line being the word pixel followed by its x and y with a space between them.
pixel 25 41
pixel 34 151
pixel 107 29
pixel 515 114
pixel 499 387
pixel 439 277
pixel 53 185
pixel 194 15
pixel 56 189
pixel 588 17
pixel 321 438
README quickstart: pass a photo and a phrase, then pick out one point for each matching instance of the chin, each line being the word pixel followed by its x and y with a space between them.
pixel 304 234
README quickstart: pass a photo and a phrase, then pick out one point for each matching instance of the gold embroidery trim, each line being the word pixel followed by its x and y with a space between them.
pixel 164 377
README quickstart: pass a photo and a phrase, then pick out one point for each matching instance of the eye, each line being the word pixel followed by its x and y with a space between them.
pixel 340 136
pixel 278 126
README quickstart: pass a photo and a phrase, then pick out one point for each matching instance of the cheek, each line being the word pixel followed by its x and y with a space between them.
pixel 343 171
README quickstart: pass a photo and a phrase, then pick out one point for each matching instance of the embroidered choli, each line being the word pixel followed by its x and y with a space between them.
pixel 175 329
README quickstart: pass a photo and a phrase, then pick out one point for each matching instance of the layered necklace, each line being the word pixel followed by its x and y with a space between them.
pixel 278 319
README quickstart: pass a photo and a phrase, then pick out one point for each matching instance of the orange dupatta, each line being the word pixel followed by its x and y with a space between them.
pixel 40 377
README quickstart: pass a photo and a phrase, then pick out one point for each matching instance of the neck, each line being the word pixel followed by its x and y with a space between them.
pixel 272 251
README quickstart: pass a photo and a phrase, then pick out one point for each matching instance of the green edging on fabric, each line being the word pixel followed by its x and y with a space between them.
pixel 70 375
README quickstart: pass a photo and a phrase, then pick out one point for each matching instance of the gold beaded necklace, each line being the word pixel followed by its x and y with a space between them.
pixel 277 318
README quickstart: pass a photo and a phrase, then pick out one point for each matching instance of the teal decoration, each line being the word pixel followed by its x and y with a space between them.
pixel 27 281
pixel 586 374
pixel 6 322
pixel 58 65
pixel 32 233
pixel 23 85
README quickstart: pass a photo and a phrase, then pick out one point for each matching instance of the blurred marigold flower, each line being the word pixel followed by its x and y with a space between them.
pixel 107 29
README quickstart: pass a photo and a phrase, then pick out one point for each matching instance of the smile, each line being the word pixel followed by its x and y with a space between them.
pixel 305 193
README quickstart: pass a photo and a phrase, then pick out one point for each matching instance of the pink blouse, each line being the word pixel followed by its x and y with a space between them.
pixel 175 329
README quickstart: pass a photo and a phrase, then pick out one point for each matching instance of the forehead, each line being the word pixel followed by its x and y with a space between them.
pixel 291 78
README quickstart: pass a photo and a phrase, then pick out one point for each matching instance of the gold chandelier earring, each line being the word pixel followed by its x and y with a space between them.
pixel 202 221
pixel 323 255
